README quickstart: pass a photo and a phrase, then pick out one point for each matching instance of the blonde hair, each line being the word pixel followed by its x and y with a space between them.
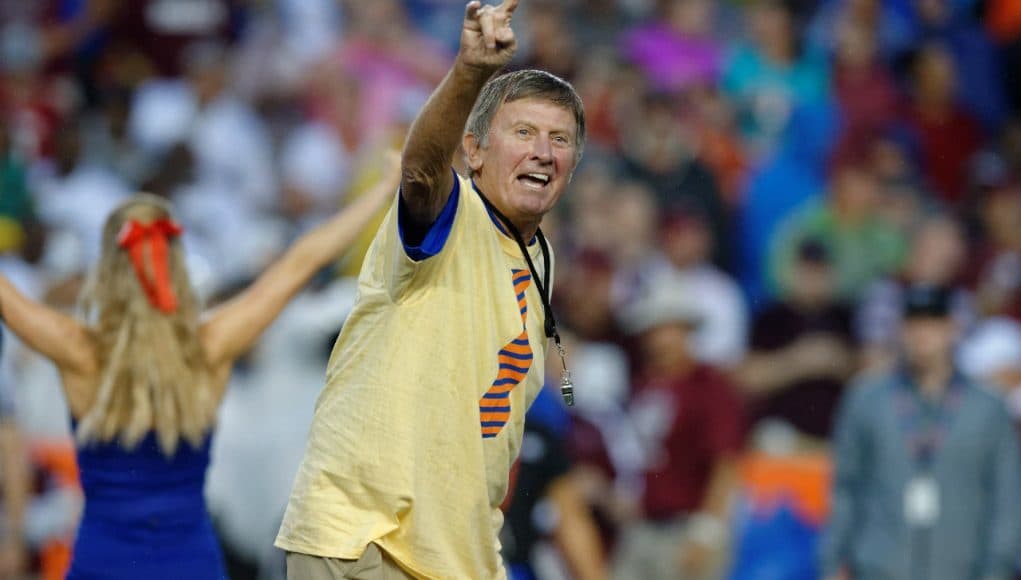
pixel 154 374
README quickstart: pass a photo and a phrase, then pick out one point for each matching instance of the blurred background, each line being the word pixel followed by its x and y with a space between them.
pixel 770 175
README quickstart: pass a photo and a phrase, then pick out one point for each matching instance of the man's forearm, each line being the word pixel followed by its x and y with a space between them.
pixel 435 136
pixel 576 535
pixel 722 485
pixel 15 477
pixel 764 373
pixel 708 526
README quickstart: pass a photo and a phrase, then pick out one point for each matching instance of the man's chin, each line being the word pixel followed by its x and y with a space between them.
pixel 534 204
pixel 531 213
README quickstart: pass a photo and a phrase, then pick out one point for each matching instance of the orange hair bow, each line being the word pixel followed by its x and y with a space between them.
pixel 134 237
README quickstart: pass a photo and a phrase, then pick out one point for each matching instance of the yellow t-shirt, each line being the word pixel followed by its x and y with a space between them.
pixel 423 409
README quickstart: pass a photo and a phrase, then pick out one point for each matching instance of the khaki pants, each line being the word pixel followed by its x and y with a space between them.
pixel 374 564
pixel 652 551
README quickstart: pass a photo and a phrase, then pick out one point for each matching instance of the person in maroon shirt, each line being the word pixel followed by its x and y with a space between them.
pixel 162 30
pixel 994 269
pixel 691 421
pixel 862 84
pixel 802 350
pixel 948 134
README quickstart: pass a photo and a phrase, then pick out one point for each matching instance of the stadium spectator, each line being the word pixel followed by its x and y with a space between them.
pixel 948 135
pixel 690 420
pixel 862 245
pixel 936 257
pixel 927 465
pixel 802 350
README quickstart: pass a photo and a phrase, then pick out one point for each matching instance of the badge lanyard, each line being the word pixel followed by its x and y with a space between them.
pixel 925 431
pixel 550 323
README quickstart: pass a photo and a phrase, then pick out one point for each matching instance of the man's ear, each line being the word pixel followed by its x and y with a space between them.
pixel 472 151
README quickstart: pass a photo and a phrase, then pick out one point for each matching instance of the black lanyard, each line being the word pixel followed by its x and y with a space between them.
pixel 550 323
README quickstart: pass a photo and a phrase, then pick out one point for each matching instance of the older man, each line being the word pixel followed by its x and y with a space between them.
pixel 422 413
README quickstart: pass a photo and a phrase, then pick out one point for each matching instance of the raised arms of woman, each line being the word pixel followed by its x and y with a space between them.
pixel 53 334
pixel 233 328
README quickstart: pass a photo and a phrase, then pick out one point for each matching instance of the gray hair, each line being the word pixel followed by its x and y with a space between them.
pixel 524 84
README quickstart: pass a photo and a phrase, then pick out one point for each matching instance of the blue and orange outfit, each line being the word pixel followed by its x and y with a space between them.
pixel 145 514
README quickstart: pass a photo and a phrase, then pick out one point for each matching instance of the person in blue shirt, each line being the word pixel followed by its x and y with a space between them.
pixel 144 375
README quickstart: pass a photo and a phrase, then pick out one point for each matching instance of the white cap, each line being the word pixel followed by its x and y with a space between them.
pixel 314 159
pixel 993 347
pixel 666 300
pixel 162 114
pixel 601 371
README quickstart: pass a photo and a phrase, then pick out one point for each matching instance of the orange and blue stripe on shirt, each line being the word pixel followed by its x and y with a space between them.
pixel 515 359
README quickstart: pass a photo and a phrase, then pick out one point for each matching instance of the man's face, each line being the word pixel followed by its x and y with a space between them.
pixel 664 349
pixel 936 76
pixel 770 24
pixel 928 340
pixel 813 284
pixel 529 159
pixel 857 191
pixel 688 244
pixel 937 253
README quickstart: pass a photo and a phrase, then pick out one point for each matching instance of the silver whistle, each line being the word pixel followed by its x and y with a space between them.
pixel 567 388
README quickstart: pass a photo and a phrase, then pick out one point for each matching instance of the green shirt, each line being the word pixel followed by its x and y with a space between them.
pixel 861 252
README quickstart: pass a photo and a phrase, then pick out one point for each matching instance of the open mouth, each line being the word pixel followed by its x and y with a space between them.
pixel 534 180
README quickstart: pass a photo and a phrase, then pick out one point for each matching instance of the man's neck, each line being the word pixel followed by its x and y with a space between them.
pixel 934 380
pixel 847 217
pixel 527 230
pixel 677 369
pixel 935 109
pixel 526 227
pixel 781 54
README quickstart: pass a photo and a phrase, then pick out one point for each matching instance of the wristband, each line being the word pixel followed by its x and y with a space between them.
pixel 706 529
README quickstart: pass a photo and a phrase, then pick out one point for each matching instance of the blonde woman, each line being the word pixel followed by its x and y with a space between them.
pixel 145 373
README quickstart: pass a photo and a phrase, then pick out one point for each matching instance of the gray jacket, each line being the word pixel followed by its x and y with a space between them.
pixel 977 469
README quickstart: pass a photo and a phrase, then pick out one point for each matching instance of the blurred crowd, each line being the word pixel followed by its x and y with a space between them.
pixel 764 183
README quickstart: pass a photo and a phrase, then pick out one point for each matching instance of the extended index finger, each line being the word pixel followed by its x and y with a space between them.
pixel 508 6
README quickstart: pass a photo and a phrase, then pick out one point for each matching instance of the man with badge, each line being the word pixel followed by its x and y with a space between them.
pixel 927 484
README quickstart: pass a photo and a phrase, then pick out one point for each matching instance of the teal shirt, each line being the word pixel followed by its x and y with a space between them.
pixel 766 94
pixel 15 200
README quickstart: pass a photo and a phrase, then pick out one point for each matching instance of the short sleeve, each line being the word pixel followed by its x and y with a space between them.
pixel 420 241
pixel 725 419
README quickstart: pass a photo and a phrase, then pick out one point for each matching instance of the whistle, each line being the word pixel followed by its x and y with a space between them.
pixel 567 390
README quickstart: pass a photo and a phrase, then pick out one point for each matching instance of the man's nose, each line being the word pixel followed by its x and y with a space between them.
pixel 542 150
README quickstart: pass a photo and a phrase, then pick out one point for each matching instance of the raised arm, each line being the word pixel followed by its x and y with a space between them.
pixel 53 334
pixel 487 44
pixel 233 328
